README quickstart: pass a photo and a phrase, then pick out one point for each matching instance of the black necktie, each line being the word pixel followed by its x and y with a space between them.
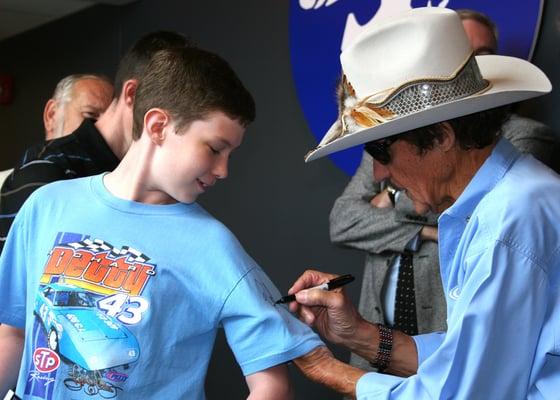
pixel 405 300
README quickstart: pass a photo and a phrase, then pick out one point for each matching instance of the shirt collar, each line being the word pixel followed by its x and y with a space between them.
pixel 94 143
pixel 489 174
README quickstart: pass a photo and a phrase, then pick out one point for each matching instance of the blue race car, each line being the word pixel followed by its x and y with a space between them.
pixel 80 332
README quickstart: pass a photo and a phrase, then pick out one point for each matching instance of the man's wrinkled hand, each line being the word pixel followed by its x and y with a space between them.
pixel 331 313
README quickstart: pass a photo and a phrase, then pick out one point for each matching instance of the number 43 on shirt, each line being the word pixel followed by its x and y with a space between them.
pixel 127 309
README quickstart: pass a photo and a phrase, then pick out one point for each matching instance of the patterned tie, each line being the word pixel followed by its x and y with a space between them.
pixel 405 300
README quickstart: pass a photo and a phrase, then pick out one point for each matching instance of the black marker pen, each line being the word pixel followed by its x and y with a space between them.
pixel 330 285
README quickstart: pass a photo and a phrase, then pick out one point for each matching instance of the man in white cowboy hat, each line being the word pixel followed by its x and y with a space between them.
pixel 372 217
pixel 429 113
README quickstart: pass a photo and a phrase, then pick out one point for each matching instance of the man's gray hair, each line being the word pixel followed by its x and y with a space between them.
pixel 63 90
pixel 63 95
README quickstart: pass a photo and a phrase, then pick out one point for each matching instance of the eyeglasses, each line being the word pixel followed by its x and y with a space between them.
pixel 379 149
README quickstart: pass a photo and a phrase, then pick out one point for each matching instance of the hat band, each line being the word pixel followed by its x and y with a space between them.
pixel 409 98
pixel 423 95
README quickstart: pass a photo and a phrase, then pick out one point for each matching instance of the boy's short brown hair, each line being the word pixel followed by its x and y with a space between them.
pixel 189 83
pixel 134 61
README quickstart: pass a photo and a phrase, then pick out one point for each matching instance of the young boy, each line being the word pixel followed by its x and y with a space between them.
pixel 121 281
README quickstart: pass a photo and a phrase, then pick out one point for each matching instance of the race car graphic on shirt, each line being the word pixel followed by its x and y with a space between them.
pixel 80 332
pixel 90 293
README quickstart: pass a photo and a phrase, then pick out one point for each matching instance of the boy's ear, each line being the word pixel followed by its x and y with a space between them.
pixel 129 91
pixel 155 122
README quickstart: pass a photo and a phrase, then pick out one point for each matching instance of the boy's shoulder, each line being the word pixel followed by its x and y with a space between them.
pixel 59 191
pixel 213 227
pixel 66 186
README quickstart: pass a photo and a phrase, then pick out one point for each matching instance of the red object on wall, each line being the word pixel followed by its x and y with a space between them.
pixel 6 88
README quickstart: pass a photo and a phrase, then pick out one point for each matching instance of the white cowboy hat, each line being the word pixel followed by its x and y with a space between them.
pixel 418 69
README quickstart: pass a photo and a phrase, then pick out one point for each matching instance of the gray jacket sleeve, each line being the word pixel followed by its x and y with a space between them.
pixel 532 137
pixel 355 223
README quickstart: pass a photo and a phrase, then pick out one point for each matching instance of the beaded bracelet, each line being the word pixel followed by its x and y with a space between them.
pixel 384 349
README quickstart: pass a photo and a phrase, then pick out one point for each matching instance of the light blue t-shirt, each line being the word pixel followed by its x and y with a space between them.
pixel 500 263
pixel 123 300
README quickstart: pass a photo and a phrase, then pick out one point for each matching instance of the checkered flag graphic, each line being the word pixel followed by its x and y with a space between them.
pixel 94 245
pixel 98 245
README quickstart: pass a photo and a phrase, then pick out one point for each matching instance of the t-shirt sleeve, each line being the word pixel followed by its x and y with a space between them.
pixel 261 334
pixel 13 276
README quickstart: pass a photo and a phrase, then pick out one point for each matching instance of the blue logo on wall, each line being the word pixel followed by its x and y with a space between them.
pixel 319 28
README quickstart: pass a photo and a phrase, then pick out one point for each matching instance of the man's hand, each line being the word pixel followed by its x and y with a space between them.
pixel 11 350
pixel 320 366
pixel 381 200
pixel 334 316
pixel 429 233
pixel 331 313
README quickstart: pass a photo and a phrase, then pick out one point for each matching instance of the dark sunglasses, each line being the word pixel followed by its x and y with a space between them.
pixel 379 149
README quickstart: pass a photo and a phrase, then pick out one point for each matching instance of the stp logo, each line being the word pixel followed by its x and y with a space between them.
pixel 320 28
pixel 45 360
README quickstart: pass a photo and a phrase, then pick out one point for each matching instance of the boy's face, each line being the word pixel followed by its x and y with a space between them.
pixel 191 162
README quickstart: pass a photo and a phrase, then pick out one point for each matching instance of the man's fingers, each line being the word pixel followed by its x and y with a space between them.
pixel 318 297
pixel 309 279
pixel 293 306
pixel 307 315
pixel 304 313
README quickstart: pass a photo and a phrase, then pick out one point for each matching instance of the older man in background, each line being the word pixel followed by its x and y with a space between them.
pixel 75 98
